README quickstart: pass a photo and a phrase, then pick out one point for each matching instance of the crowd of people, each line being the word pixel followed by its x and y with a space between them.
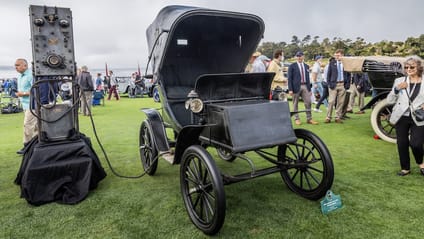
pixel 103 86
pixel 315 85
pixel 50 91
pixel 9 87
pixel 91 88
pixel 331 84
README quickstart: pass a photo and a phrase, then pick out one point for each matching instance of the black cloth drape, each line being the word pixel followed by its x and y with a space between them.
pixel 62 171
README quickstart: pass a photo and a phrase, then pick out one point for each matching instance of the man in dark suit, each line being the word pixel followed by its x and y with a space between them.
pixel 300 86
pixel 338 81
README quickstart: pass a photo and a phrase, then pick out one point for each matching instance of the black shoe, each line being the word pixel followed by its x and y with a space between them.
pixel 403 173
pixel 422 171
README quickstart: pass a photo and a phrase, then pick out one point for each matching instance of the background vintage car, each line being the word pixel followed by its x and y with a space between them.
pixel 382 72
pixel 124 85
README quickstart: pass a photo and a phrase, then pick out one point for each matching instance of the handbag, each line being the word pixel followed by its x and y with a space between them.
pixel 419 114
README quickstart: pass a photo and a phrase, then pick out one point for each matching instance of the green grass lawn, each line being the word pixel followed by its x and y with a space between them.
pixel 377 203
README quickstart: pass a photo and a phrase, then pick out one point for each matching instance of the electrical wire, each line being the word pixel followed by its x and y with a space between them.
pixel 53 103
pixel 107 158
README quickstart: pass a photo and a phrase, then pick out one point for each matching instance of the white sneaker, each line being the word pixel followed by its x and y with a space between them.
pixel 317 110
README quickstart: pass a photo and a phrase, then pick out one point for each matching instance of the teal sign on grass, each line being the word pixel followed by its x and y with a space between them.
pixel 330 203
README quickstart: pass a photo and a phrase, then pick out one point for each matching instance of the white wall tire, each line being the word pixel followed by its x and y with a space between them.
pixel 380 116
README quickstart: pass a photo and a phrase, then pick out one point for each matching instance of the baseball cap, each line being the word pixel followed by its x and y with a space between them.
pixel 263 58
pixel 256 54
pixel 299 53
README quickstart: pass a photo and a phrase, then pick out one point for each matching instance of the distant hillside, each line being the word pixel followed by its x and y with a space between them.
pixel 7 68
pixel 130 69
pixel 10 71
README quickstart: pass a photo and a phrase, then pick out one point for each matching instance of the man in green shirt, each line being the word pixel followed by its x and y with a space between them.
pixel 25 81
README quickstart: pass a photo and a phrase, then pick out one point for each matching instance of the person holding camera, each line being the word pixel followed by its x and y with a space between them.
pixel 407 95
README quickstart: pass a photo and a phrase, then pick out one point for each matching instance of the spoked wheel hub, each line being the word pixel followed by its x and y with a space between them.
pixel 202 190
pixel 148 152
pixel 309 167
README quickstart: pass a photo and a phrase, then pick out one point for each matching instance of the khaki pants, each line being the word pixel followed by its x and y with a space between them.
pixel 30 126
pixel 338 94
pixel 354 92
pixel 306 97
pixel 87 102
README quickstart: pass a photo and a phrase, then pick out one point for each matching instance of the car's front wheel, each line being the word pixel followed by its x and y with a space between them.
pixel 380 123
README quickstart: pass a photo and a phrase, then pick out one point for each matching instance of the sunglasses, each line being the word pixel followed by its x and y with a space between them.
pixel 409 67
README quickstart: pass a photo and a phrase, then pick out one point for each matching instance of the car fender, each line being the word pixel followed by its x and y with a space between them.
pixel 189 135
pixel 374 100
pixel 158 129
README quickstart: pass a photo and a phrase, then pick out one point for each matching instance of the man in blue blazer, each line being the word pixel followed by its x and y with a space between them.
pixel 338 81
pixel 300 86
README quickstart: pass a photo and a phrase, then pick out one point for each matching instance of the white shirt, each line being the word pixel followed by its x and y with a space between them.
pixel 341 72
pixel 316 68
pixel 258 66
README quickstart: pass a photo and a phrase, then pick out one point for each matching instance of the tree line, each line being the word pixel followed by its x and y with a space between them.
pixel 311 46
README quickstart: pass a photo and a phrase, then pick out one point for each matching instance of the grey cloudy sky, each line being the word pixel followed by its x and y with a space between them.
pixel 113 31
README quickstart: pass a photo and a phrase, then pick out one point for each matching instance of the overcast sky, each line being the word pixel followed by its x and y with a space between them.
pixel 114 31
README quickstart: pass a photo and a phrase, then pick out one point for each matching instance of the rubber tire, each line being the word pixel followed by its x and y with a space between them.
pixel 201 184
pixel 380 116
pixel 296 155
pixel 147 148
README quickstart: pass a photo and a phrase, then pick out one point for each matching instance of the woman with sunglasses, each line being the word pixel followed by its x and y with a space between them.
pixel 407 95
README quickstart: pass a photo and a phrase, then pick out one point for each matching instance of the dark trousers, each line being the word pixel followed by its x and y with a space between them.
pixel 323 96
pixel 409 135
pixel 114 91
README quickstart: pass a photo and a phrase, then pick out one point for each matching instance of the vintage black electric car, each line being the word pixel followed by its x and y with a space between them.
pixel 197 58
pixel 382 72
